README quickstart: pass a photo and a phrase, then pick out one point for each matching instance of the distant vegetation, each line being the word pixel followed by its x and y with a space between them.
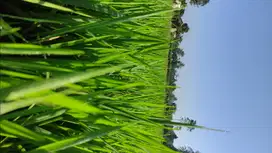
pixel 174 63
pixel 176 52
pixel 82 76
pixel 199 2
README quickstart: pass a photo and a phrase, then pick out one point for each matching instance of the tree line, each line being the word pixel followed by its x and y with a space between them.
pixel 178 29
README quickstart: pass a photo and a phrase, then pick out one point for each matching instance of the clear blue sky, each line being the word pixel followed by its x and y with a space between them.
pixel 227 79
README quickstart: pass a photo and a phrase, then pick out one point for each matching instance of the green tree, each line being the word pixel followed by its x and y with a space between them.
pixel 199 2
pixel 176 22
pixel 187 150
pixel 184 28
pixel 189 121
pixel 179 64
pixel 179 52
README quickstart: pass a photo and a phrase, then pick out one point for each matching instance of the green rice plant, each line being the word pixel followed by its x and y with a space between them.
pixel 84 76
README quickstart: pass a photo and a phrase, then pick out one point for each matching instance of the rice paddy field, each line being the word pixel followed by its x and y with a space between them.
pixel 83 76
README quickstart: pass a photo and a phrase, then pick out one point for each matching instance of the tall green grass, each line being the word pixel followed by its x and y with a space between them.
pixel 84 75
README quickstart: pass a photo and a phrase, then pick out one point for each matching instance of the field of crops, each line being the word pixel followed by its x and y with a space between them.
pixel 84 76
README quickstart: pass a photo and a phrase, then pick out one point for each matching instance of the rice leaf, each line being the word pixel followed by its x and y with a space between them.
pixel 59 81
pixel 46 116
pixel 100 24
pixel 30 66
pixel 79 41
pixel 7 28
pixel 57 7
pixel 20 131
pixel 30 19
pixel 70 142
pixel 8 31
pixel 93 6
pixel 28 49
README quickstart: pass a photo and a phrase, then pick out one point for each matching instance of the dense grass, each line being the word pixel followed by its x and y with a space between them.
pixel 84 76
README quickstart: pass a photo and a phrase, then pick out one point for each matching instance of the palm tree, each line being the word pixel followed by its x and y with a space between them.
pixel 199 2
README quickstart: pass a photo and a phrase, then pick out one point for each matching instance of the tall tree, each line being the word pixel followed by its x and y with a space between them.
pixel 179 52
pixel 187 150
pixel 199 2
pixel 184 28
pixel 188 121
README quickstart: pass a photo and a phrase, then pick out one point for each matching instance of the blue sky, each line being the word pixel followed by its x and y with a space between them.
pixel 227 79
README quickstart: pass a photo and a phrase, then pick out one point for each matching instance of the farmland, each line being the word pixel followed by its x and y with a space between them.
pixel 85 76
